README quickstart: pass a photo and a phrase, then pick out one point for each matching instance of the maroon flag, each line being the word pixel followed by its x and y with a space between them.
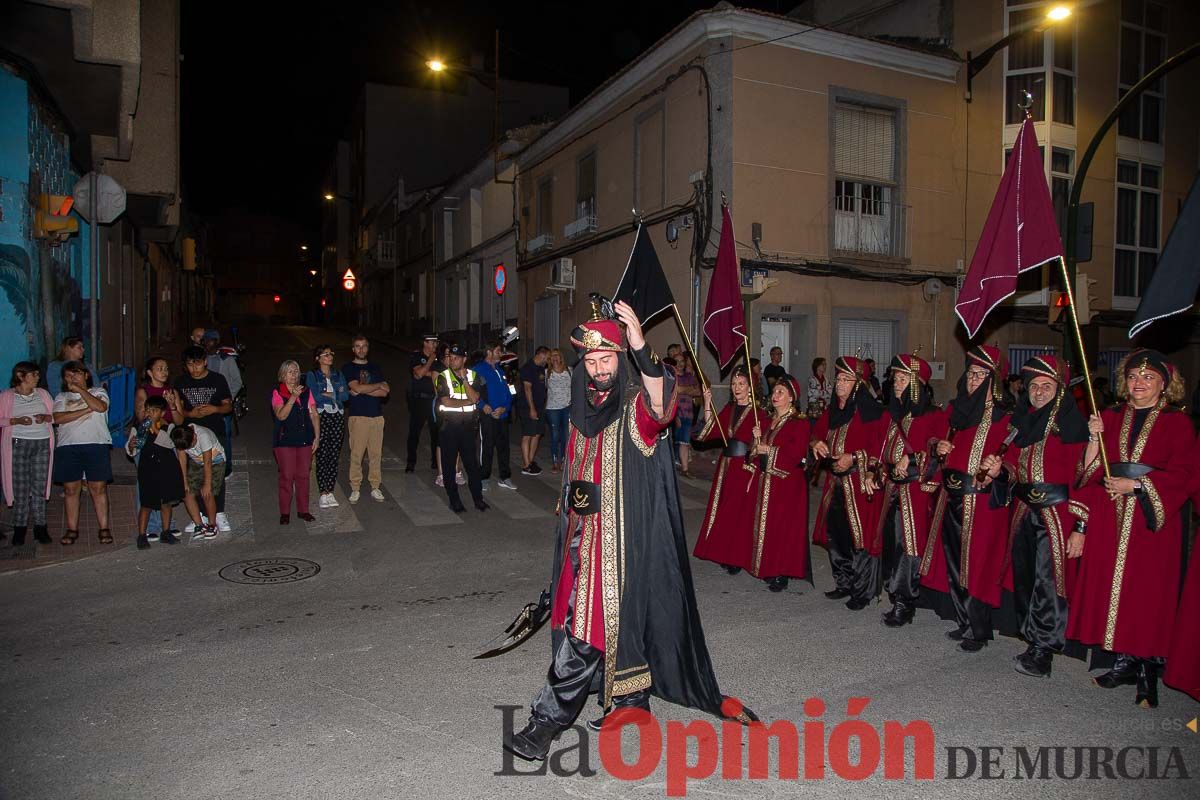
pixel 724 323
pixel 1020 234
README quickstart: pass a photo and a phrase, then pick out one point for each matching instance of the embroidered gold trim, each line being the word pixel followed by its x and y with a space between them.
pixel 638 668
pixel 910 525
pixel 1057 548
pixel 629 686
pixel 968 506
pixel 1078 509
pixel 585 579
pixel 716 498
pixel 1156 503
pixel 609 590
pixel 635 433
pixel 935 533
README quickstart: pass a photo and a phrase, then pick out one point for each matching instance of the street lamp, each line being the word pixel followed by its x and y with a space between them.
pixel 975 64
pixel 436 64
pixel 303 247
pixel 329 196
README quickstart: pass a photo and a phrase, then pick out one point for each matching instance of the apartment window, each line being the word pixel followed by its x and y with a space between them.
pixel 649 157
pixel 1042 63
pixel 866 217
pixel 387 245
pixel 1143 47
pixel 545 205
pixel 585 186
pixel 1139 201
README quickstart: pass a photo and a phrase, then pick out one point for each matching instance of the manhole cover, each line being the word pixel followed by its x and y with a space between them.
pixel 270 570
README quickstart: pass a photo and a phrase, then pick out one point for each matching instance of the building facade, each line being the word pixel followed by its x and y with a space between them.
pixel 858 175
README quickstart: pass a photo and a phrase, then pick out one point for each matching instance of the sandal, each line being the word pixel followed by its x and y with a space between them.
pixel 69 537
pixel 105 536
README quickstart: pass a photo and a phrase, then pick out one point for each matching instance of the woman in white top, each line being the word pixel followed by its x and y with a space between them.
pixel 558 406
pixel 27 451
pixel 84 445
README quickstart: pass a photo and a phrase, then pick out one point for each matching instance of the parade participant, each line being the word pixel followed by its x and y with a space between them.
pixel 458 393
pixel 972 534
pixel 1183 660
pixel 1127 589
pixel 1048 517
pixel 622 602
pixel 422 365
pixel 779 542
pixel 913 420
pixel 848 439
pixel 723 536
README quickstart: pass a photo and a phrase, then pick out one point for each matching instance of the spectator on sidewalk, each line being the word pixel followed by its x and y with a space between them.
pixel 423 367
pixel 156 378
pixel 364 418
pixel 688 388
pixel 819 389
pixel 160 481
pixel 297 435
pixel 202 465
pixel 495 409
pixel 558 406
pixel 531 408
pixel 775 370
pixel 329 388
pixel 226 366
pixel 206 400
pixel 71 350
pixel 26 451
pixel 83 448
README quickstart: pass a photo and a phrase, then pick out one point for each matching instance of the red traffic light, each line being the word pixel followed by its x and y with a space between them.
pixel 277 298
pixel 322 302
pixel 1062 301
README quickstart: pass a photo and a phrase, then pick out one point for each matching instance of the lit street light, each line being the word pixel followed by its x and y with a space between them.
pixel 436 64
pixel 329 196
pixel 303 247
pixel 975 64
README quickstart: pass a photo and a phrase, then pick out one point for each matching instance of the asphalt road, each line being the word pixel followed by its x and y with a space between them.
pixel 146 675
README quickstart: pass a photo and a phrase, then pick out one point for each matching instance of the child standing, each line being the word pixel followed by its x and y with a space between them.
pixel 202 463
pixel 160 484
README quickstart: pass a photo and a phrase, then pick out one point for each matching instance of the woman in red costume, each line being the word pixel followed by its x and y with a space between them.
pixel 1127 590
pixel 725 534
pixel 779 542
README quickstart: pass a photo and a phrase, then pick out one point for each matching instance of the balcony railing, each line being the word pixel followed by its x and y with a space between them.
pixel 870 228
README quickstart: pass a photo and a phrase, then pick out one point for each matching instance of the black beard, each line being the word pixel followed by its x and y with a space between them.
pixel 604 385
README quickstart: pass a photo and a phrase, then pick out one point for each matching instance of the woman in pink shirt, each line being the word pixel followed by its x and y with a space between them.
pixel 297 434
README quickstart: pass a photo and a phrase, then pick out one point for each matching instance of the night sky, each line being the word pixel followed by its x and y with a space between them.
pixel 266 96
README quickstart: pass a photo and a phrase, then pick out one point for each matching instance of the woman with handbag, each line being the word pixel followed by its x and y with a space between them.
pixel 297 435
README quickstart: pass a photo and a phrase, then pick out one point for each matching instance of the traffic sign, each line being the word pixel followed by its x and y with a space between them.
pixel 111 193
pixel 349 281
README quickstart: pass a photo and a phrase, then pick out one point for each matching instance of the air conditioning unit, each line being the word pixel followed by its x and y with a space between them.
pixel 539 243
pixel 562 275
pixel 585 224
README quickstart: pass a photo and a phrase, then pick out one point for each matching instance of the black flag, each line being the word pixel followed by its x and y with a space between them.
pixel 1172 287
pixel 643 285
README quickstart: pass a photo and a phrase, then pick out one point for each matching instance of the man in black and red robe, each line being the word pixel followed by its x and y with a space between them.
pixel 623 614
pixel 1049 517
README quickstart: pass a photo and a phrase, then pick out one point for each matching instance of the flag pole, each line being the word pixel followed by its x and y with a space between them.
pixel 1087 373
pixel 696 363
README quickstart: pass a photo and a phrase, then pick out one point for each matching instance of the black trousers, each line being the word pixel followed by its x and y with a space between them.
pixel 902 572
pixel 576 670
pixel 968 612
pixel 460 439
pixel 495 437
pixel 854 571
pixel 420 414
pixel 1041 612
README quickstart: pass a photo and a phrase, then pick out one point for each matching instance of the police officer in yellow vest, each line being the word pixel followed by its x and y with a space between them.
pixel 458 393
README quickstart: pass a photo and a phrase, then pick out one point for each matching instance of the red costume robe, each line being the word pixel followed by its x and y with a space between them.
pixel 865 441
pixel 1127 589
pixel 780 525
pixel 983 569
pixel 911 437
pixel 725 533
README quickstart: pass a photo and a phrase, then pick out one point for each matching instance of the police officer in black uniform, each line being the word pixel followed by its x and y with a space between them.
pixel 424 367
pixel 458 393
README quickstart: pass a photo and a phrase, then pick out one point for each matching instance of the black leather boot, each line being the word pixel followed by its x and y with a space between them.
pixel 732 570
pixel 533 742
pixel 1036 661
pixel 837 594
pixel 1147 684
pixel 1123 673
pixel 636 700
pixel 41 535
pixel 777 584
pixel 899 616
pixel 19 535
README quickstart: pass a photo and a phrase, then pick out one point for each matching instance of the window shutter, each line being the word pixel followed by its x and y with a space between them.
pixel 864 141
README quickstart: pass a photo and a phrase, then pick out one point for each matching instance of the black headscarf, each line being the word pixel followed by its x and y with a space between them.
pixel 966 410
pixel 860 400
pixel 588 417
pixel 900 407
pixel 1033 424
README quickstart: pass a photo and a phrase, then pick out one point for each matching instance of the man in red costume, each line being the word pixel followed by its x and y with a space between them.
pixel 1049 518
pixel 623 613
pixel 848 438
pixel 972 535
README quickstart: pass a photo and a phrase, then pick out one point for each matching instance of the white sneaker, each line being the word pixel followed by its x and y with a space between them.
pixel 354 496
pixel 460 479
pixel 438 481
pixel 223 522
pixel 323 502
pixel 333 503
pixel 377 495
pixel 191 526
pixel 508 484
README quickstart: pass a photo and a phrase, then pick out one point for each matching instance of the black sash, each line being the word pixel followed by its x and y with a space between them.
pixel 1041 495
pixel 583 497
pixel 1129 469
pixel 960 483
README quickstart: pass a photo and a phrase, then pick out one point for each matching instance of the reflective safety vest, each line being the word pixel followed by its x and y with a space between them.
pixel 458 391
